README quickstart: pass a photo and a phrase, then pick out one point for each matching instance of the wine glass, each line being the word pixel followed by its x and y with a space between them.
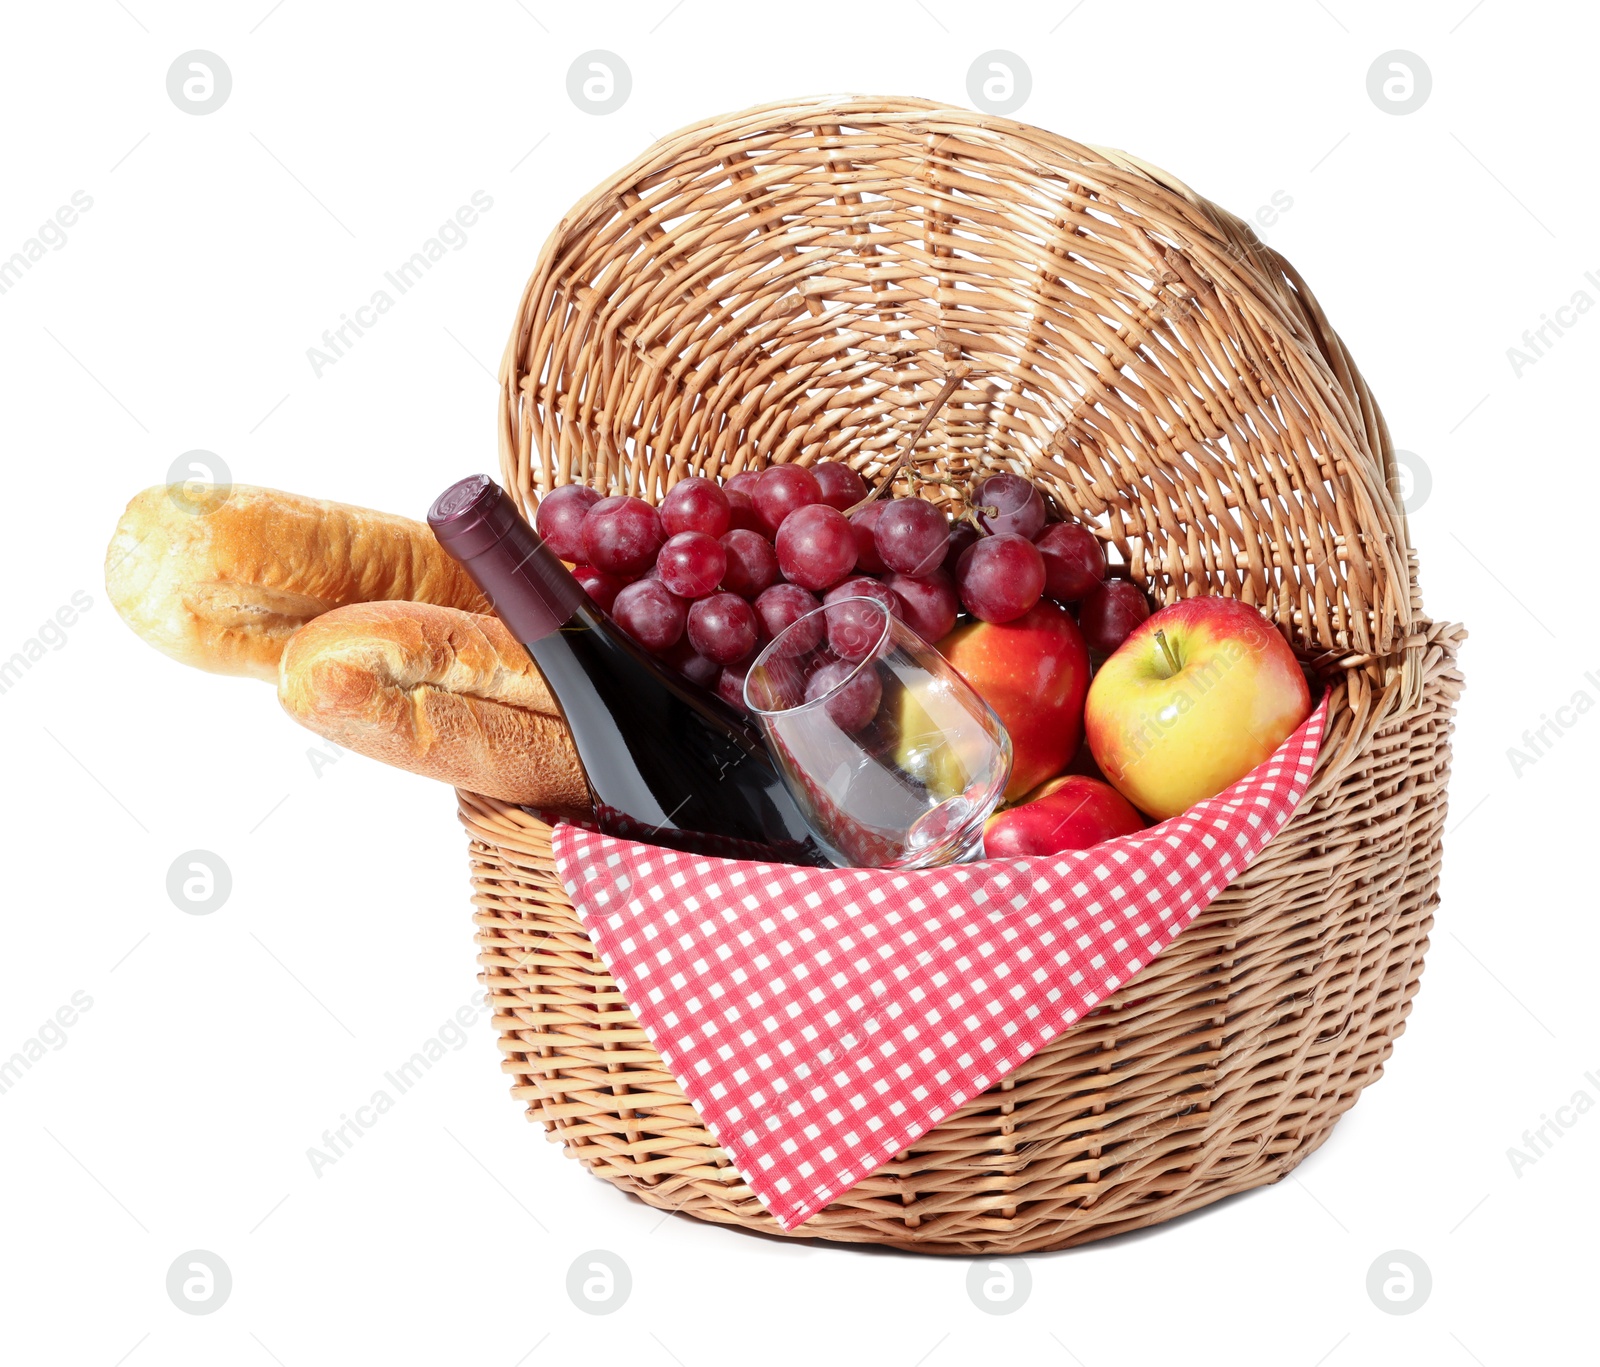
pixel 893 759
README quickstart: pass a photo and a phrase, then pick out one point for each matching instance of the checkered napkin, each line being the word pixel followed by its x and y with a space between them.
pixel 822 1020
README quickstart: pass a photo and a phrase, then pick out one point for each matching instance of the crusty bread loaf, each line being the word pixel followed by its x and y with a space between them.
pixel 444 693
pixel 222 585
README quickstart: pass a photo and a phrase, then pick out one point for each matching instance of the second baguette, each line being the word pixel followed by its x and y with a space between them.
pixel 440 692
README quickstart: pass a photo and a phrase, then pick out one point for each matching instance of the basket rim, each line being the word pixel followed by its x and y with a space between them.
pixel 1358 706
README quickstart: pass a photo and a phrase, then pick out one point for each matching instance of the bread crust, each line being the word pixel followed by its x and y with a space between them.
pixel 438 691
pixel 223 583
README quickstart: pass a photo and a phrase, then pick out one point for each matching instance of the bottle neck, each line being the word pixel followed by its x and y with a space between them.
pixel 529 589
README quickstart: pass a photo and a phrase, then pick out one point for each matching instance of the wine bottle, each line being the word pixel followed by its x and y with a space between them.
pixel 667 761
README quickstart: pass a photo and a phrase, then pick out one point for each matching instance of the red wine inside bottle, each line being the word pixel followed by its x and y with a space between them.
pixel 667 761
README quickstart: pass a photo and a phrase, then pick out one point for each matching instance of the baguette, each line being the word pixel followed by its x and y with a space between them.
pixel 223 586
pixel 440 692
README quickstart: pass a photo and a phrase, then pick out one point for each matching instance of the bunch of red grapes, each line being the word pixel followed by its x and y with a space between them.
pixel 718 570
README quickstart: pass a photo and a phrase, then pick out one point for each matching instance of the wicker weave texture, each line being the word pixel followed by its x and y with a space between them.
pixel 795 283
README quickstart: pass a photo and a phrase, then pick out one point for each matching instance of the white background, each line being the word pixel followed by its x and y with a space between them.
pixel 178 1113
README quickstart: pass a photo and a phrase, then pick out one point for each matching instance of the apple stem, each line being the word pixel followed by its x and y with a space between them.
pixel 1166 649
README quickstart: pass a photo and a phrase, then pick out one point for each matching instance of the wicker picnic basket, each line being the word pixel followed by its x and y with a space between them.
pixel 795 283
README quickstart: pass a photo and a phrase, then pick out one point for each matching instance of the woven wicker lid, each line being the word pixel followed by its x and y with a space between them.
pixel 796 281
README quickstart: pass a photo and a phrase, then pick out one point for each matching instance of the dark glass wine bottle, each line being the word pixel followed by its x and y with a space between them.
pixel 667 761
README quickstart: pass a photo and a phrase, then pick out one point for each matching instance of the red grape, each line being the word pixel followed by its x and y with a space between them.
pixel 865 526
pixel 911 536
pixel 1074 561
pixel 699 670
pixel 1000 577
pixel 928 605
pixel 853 705
pixel 1110 612
pixel 780 490
pixel 752 563
pixel 559 519
pixel 692 665
pixel 780 607
pixel 650 614
pixel 742 483
pixel 962 535
pixel 622 535
pixel 723 627
pixel 1018 506
pixel 692 564
pixel 599 585
pixel 863 586
pixel 842 487
pixel 855 630
pixel 816 547
pixel 730 683
pixel 742 515
pixel 696 504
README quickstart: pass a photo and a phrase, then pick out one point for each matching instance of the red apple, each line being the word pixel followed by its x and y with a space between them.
pixel 1034 672
pixel 1069 813
pixel 1194 699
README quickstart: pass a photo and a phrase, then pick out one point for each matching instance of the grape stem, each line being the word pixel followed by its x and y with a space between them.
pixel 905 451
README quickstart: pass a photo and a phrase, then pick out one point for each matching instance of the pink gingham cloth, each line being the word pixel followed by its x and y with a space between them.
pixel 822 1020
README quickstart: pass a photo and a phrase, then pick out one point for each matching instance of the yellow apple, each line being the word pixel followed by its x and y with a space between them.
pixel 937 745
pixel 1191 702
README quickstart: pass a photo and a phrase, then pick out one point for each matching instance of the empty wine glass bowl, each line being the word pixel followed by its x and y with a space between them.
pixel 892 757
